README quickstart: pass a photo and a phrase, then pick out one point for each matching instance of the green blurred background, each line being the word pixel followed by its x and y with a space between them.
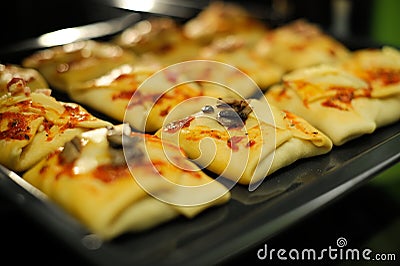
pixel 385 23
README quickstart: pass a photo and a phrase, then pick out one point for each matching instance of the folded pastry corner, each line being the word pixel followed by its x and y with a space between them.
pixel 300 44
pixel 32 78
pixel 245 140
pixel 33 124
pixel 158 38
pixel 221 19
pixel 337 102
pixel 151 104
pixel 232 50
pixel 67 65
pixel 115 181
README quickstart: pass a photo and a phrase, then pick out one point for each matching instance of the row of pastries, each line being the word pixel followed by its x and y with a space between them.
pixel 297 93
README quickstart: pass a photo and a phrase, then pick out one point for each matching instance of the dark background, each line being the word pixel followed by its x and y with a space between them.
pixel 27 18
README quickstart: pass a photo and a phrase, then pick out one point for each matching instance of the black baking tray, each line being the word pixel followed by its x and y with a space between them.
pixel 222 232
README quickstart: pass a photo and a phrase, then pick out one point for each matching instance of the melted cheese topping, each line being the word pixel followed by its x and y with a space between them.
pixel 70 55
pixel 300 44
pixel 333 86
pixel 380 68
pixel 221 19
pixel 18 111
pixel 31 77
pixel 151 35
pixel 94 153
pixel 239 144
pixel 72 64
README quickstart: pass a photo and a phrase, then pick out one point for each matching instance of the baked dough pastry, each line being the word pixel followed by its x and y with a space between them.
pixel 90 178
pixel 221 19
pixel 110 93
pixel 336 102
pixel 70 64
pixel 160 39
pixel 300 44
pixel 144 95
pixel 245 140
pixel 379 67
pixel 232 50
pixel 125 94
pixel 33 124
pixel 220 32
pixel 32 78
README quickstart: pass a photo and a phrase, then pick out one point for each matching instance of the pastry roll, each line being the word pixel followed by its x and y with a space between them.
pixel 380 68
pixel 115 181
pixel 232 50
pixel 144 94
pixel 300 44
pixel 110 93
pixel 33 124
pixel 245 140
pixel 70 64
pixel 338 103
pixel 221 19
pixel 32 78
pixel 117 94
pixel 160 39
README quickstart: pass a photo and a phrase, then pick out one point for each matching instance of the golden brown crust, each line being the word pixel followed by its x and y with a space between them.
pixel 337 102
pixel 243 150
pixel 10 73
pixel 220 19
pixel 111 196
pixel 34 124
pixel 300 44
pixel 68 65
pixel 380 68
